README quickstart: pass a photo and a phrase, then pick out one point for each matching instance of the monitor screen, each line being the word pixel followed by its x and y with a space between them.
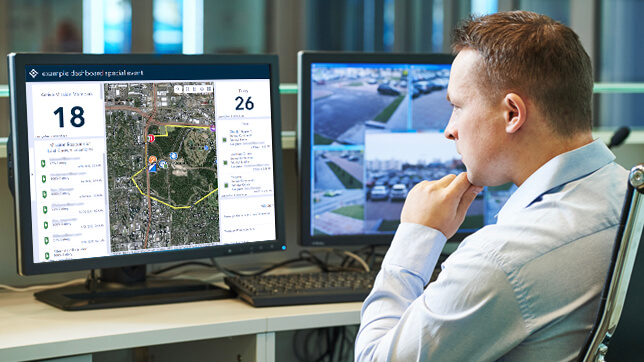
pixel 370 128
pixel 134 159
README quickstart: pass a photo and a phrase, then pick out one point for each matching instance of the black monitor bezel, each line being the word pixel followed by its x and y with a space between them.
pixel 19 172
pixel 305 59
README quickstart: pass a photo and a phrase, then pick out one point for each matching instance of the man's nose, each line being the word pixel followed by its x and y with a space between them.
pixel 450 131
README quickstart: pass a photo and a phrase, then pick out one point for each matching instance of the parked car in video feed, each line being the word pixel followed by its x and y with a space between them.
pixel 398 192
pixel 415 92
pixel 424 87
pixel 379 193
pixel 385 88
pixel 430 108
pixel 332 193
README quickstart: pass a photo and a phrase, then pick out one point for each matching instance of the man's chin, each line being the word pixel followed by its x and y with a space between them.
pixel 474 180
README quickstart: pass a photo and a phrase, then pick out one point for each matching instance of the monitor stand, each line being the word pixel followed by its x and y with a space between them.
pixel 128 287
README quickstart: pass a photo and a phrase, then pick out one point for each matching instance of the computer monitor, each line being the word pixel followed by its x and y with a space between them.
pixel 370 128
pixel 123 160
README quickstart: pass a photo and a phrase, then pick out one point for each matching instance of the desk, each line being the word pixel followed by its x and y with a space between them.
pixel 33 330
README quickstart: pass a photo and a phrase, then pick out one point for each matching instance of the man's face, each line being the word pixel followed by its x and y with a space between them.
pixel 476 124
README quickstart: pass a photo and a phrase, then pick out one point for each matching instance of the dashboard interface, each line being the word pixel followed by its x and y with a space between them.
pixel 127 159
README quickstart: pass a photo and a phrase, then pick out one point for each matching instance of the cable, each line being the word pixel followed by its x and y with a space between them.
pixel 336 343
pixel 226 272
pixel 266 270
pixel 326 332
pixel 359 259
pixel 325 265
pixel 36 287
pixel 296 349
pixel 307 344
pixel 176 266
pixel 340 342
pixel 304 256
pixel 350 340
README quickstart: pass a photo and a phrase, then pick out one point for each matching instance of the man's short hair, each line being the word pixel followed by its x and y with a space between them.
pixel 536 57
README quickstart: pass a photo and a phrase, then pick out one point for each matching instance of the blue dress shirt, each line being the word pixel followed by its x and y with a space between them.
pixel 526 288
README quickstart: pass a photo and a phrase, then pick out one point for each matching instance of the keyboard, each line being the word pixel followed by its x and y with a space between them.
pixel 303 288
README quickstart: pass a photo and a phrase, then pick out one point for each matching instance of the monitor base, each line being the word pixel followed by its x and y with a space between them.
pixel 100 294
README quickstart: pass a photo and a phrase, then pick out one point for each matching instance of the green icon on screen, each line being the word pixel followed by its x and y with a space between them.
pixel 44 178
pixel 46 225
pixel 44 194
pixel 47 256
pixel 44 209
pixel 46 240
pixel 42 163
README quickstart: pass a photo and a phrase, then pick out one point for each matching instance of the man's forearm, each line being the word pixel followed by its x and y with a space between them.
pixel 405 271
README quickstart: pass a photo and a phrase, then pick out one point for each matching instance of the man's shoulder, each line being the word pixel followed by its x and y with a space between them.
pixel 584 209
pixel 614 171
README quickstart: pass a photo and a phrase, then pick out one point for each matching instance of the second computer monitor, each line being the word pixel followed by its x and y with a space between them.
pixel 371 127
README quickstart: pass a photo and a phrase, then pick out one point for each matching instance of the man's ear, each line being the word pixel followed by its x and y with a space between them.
pixel 514 112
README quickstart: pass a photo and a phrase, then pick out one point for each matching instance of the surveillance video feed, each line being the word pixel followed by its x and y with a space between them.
pixel 377 131
pixel 391 171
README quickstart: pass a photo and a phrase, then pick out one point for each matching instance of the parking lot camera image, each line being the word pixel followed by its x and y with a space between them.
pixel 429 109
pixel 349 99
pixel 395 162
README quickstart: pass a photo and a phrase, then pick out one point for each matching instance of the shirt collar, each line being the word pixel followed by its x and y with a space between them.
pixel 558 171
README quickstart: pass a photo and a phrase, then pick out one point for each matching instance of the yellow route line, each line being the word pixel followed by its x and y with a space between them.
pixel 175 125
pixel 174 207
pixel 163 135
pixel 146 158
pixel 137 185
pixel 201 199
pixel 171 125
pixel 133 176
pixel 165 203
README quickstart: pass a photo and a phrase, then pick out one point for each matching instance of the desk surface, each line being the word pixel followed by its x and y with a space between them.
pixel 30 329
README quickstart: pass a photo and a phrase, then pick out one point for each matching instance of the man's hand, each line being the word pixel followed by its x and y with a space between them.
pixel 440 204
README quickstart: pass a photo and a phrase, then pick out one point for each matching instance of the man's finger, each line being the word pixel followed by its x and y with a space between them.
pixel 446 180
pixel 459 184
pixel 467 199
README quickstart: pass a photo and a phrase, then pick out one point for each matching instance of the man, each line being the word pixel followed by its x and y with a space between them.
pixel 526 288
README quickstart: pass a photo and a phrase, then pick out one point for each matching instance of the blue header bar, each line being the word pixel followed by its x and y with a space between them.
pixel 132 72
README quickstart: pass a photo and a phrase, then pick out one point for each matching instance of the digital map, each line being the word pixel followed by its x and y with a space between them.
pixel 162 166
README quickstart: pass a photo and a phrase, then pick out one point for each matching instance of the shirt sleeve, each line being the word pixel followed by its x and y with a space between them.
pixel 469 313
